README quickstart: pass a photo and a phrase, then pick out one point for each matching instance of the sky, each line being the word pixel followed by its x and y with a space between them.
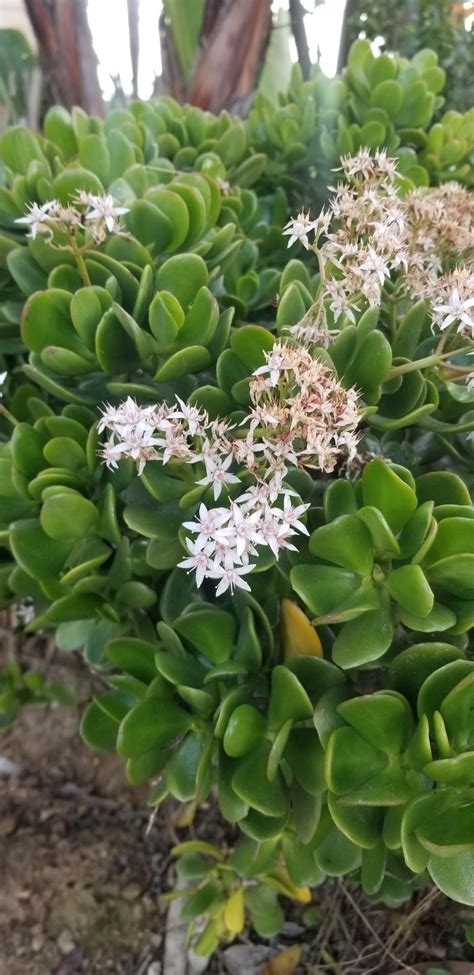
pixel 108 21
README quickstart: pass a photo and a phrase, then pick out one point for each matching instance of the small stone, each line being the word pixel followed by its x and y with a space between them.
pixel 65 942
pixel 7 825
pixel 292 930
pixel 245 958
pixel 154 968
pixel 37 942
pixel 138 912
pixel 156 940
pixel 131 892
pixel 108 890
pixel 9 769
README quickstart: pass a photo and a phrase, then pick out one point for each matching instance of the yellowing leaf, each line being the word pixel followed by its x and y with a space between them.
pixel 302 894
pixel 298 636
pixel 234 914
pixel 186 814
pixel 284 963
pixel 197 846
pixel 280 880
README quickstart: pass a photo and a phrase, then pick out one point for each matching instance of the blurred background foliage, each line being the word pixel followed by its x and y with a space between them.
pixel 195 37
pixel 406 26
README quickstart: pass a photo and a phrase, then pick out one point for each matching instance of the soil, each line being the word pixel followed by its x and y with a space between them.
pixel 83 865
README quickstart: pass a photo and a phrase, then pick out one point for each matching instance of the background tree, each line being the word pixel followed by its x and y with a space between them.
pixel 67 55
pixel 212 50
pixel 407 27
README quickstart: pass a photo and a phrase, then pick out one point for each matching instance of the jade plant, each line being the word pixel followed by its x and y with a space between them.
pixel 240 484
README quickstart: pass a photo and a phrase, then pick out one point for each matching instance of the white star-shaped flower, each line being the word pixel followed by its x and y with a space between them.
pixel 456 309
pixel 103 208
pixel 37 216
pixel 231 578
pixel 219 475
pixel 298 228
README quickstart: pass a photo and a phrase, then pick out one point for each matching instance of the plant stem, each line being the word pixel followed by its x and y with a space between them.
pixel 393 315
pixel 81 264
pixel 429 360
pixel 8 416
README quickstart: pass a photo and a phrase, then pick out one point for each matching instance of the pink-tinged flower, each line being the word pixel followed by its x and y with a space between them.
pixel 103 208
pixel 223 552
pixel 275 534
pixel 246 451
pixel 210 521
pixel 274 365
pixel 298 228
pixel 231 578
pixel 219 475
pixel 291 515
pixel 197 560
pixel 111 453
pixel 377 264
pixel 125 415
pixel 244 530
pixel 194 418
pixel 138 444
pixel 175 446
pixel 39 218
pixel 210 453
pixel 279 453
pixel 362 163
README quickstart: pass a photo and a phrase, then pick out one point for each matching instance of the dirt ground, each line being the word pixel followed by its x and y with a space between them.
pixel 82 870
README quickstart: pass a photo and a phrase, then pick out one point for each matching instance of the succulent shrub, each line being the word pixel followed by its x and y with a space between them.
pixel 241 485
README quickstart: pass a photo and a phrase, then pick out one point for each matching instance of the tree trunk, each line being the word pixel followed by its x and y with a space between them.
pixel 67 56
pixel 345 42
pixel 227 67
pixel 298 30
pixel 232 44
pixel 171 81
pixel 133 11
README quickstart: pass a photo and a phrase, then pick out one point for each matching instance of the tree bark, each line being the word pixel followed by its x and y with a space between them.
pixel 346 37
pixel 67 55
pixel 299 33
pixel 236 36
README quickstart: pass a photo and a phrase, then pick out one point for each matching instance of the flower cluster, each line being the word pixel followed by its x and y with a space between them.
pixel 300 417
pixel 369 239
pixel 303 414
pixel 97 215
pixel 424 243
pixel 227 538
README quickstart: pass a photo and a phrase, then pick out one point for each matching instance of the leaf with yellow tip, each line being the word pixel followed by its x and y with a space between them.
pixel 280 880
pixel 234 912
pixel 298 636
